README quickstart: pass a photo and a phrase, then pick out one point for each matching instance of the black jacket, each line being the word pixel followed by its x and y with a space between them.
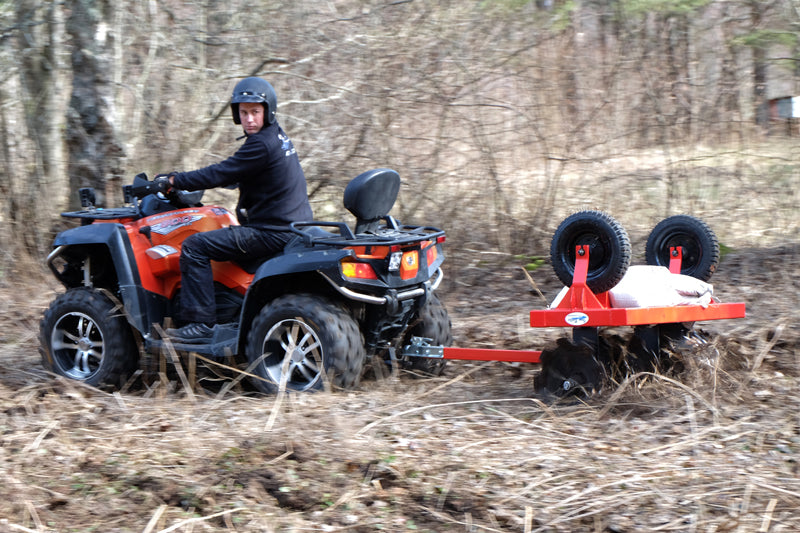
pixel 272 186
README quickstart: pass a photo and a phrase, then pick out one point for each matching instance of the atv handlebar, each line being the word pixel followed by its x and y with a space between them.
pixel 142 188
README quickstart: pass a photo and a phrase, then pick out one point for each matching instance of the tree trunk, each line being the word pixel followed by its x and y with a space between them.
pixel 96 153
pixel 39 187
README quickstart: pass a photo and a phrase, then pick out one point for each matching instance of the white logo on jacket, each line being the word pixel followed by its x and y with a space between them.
pixel 286 145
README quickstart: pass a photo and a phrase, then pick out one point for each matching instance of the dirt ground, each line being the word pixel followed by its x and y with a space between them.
pixel 711 448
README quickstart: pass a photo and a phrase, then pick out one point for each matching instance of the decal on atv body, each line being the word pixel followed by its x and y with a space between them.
pixel 168 226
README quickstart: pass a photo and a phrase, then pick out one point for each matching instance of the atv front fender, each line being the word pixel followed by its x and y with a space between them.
pixel 113 236
pixel 81 244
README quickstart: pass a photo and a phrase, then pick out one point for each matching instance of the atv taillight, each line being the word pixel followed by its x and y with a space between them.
pixel 431 249
pixel 370 252
pixel 351 269
pixel 431 254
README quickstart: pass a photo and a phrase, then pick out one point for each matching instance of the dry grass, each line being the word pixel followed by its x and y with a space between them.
pixel 714 448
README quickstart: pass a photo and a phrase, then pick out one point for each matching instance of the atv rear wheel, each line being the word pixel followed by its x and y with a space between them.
pixel 85 337
pixel 303 340
pixel 699 244
pixel 433 323
pixel 609 249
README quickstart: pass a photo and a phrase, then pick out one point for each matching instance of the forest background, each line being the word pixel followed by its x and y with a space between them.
pixel 500 115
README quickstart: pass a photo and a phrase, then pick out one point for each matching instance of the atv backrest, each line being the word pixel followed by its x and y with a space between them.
pixel 370 196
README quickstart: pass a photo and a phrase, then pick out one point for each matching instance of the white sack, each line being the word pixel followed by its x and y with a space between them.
pixel 656 286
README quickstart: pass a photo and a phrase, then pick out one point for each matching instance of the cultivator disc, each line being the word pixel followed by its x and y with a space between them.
pixel 570 369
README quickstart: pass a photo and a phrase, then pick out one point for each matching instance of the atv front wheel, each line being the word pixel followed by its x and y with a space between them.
pixel 85 337
pixel 302 340
pixel 699 245
pixel 433 323
pixel 609 249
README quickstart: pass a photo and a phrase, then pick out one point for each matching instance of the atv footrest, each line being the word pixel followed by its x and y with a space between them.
pixel 223 343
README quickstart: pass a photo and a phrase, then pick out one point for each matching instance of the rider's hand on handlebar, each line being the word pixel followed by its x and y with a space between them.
pixel 162 183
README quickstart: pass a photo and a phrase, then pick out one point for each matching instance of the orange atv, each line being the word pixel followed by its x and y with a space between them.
pixel 308 314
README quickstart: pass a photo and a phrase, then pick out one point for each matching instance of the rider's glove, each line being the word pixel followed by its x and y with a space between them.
pixel 161 181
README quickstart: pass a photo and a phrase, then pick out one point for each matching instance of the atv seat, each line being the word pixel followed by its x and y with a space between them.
pixel 251 265
pixel 370 196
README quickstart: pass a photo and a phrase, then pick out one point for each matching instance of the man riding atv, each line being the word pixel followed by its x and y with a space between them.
pixel 272 194
pixel 295 302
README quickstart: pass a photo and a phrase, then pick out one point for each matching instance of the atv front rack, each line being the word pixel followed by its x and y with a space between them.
pixel 585 312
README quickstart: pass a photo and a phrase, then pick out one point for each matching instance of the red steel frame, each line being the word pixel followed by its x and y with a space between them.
pixel 580 307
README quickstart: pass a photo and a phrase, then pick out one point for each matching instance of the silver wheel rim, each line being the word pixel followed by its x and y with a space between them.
pixel 77 345
pixel 292 352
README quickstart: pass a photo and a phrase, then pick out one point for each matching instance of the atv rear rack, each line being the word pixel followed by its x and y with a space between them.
pixel 585 312
pixel 392 233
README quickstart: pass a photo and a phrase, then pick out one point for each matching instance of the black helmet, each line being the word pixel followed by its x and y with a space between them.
pixel 254 90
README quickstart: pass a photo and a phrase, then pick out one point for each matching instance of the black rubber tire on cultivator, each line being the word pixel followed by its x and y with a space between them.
pixel 609 249
pixel 305 340
pixel 698 241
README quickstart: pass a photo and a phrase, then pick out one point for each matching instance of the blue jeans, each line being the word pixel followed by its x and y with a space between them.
pixel 234 243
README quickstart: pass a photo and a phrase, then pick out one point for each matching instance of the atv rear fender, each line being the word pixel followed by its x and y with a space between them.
pixel 317 272
pixel 320 264
pixel 83 244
